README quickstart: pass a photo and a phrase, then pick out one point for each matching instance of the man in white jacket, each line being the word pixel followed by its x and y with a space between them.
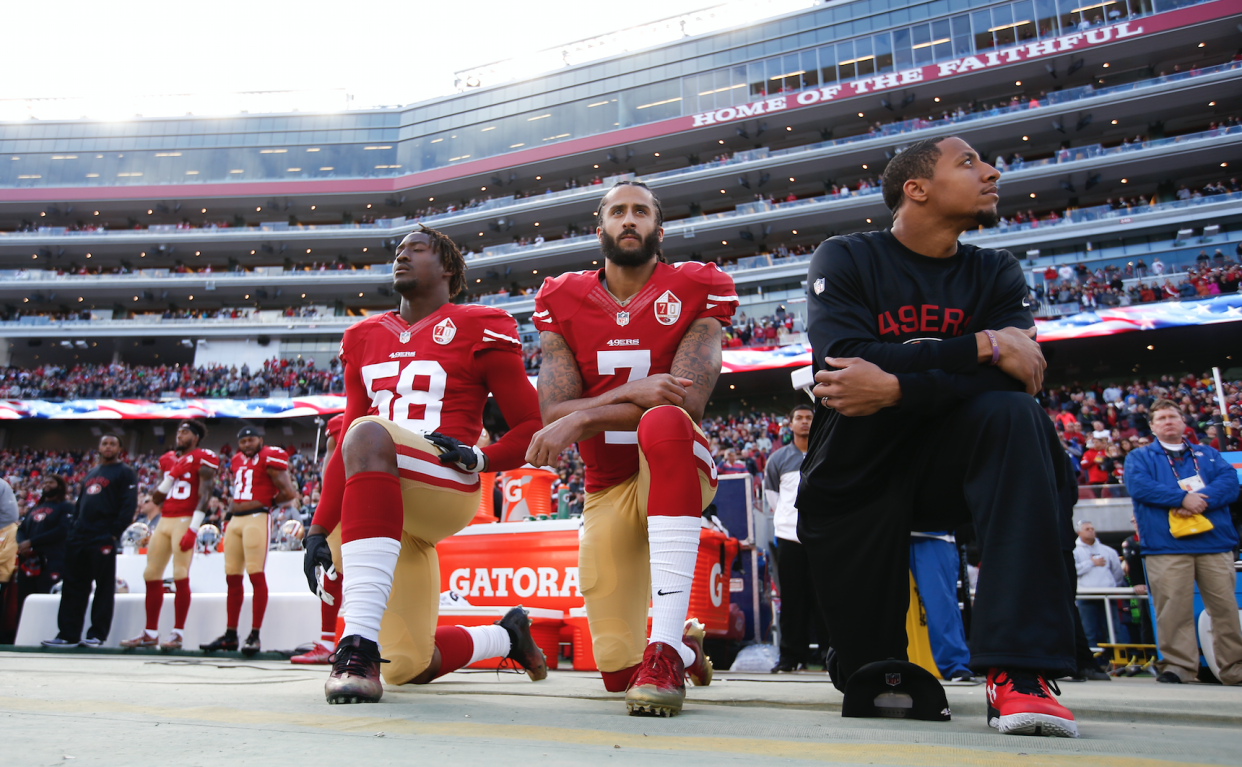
pixel 1098 566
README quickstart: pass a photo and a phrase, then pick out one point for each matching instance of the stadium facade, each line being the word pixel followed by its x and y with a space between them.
pixel 760 140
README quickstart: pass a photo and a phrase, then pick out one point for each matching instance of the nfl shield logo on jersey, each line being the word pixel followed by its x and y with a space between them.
pixel 667 308
pixel 819 286
pixel 405 336
pixel 623 318
pixel 444 332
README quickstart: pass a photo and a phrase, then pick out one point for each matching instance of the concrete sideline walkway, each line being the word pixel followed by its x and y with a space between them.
pixel 146 709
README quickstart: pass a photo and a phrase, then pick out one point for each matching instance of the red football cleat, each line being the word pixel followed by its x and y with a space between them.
pixel 321 655
pixel 659 687
pixel 700 672
pixel 1020 702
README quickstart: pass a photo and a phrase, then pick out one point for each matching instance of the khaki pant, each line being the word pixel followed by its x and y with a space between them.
pixel 614 565
pixel 1171 579
pixel 165 544
pixel 432 513
pixel 8 552
pixel 245 543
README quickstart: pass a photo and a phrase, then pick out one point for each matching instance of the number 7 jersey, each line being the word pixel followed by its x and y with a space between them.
pixel 614 343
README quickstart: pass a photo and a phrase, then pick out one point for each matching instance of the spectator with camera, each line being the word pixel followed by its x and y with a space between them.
pixel 1182 494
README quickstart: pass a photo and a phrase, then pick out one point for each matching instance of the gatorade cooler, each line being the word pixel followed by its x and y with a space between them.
pixel 709 599
pixel 485 515
pixel 526 492
pixel 584 653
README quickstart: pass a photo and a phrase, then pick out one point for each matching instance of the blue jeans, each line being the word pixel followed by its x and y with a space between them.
pixel 1093 621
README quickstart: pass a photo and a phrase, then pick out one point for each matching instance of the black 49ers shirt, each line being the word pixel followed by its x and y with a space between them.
pixel 871 297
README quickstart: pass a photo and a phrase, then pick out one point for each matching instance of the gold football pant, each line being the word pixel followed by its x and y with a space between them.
pixel 438 501
pixel 165 543
pixel 614 562
pixel 245 543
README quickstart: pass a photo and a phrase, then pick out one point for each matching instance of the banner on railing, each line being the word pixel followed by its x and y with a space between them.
pixel 1127 319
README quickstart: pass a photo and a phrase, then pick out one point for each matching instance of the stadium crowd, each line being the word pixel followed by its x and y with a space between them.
pixel 1100 424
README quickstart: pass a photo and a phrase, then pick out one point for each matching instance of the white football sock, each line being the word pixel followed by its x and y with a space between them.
pixel 674 543
pixel 371 562
pixel 151 634
pixel 489 642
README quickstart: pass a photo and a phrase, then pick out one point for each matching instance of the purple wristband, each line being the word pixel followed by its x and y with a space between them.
pixel 995 347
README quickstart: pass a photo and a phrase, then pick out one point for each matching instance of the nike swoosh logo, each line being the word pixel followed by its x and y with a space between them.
pixel 666 593
pixel 1026 302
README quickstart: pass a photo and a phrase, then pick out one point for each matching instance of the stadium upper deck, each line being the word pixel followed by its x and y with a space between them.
pixel 1099 101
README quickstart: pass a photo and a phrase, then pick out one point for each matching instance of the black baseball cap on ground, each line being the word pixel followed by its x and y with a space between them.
pixel 895 689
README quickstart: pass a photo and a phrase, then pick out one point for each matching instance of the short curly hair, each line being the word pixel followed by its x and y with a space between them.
pixel 916 161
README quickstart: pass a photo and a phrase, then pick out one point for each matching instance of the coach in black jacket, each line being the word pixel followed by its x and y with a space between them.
pixel 41 541
pixel 106 507
pixel 925 422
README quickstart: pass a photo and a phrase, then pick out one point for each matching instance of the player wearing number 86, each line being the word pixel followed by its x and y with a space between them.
pixel 189 473
pixel 260 481
pixel 406 475
pixel 631 353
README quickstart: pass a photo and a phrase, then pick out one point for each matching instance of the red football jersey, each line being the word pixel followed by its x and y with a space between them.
pixel 425 377
pixel 335 424
pixel 614 344
pixel 182 499
pixel 251 481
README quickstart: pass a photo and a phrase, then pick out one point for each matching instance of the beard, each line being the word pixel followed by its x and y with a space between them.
pixel 987 218
pixel 405 285
pixel 613 252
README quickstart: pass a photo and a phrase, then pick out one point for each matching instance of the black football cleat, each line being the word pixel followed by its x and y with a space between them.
pixel 252 645
pixel 522 647
pixel 355 676
pixel 226 642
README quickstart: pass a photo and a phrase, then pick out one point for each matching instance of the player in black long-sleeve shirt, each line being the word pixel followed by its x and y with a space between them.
pixel 106 506
pixel 926 366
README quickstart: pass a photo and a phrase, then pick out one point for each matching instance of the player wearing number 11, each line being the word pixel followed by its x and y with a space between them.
pixel 631 353
pixel 407 474
pixel 260 481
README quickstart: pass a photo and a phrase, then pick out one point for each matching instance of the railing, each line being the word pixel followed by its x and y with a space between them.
pixel 892 129
pixel 1108 596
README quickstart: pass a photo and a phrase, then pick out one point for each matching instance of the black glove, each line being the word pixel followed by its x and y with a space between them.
pixel 317 564
pixel 466 457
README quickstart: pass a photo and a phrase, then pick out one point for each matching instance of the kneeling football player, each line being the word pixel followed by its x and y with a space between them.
pixel 407 474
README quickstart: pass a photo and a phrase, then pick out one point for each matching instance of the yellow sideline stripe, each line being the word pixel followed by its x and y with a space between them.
pixel 880 753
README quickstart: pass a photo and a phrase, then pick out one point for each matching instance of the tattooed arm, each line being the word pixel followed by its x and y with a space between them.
pixel 698 360
pixel 569 417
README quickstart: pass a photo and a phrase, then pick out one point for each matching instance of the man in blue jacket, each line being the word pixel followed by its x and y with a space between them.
pixel 1169 478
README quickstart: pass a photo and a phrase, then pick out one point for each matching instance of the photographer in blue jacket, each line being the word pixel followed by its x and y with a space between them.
pixel 1181 496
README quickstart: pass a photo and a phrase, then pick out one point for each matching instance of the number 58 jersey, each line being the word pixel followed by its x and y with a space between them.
pixel 426 376
pixel 614 343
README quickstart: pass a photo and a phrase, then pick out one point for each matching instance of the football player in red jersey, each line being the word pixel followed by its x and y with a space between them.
pixel 260 481
pixel 631 353
pixel 407 474
pixel 189 475
pixel 330 595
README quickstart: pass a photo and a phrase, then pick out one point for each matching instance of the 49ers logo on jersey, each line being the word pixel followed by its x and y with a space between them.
pixel 444 332
pixel 667 308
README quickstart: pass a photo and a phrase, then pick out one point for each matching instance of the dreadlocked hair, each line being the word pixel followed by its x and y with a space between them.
pixel 659 209
pixel 450 258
